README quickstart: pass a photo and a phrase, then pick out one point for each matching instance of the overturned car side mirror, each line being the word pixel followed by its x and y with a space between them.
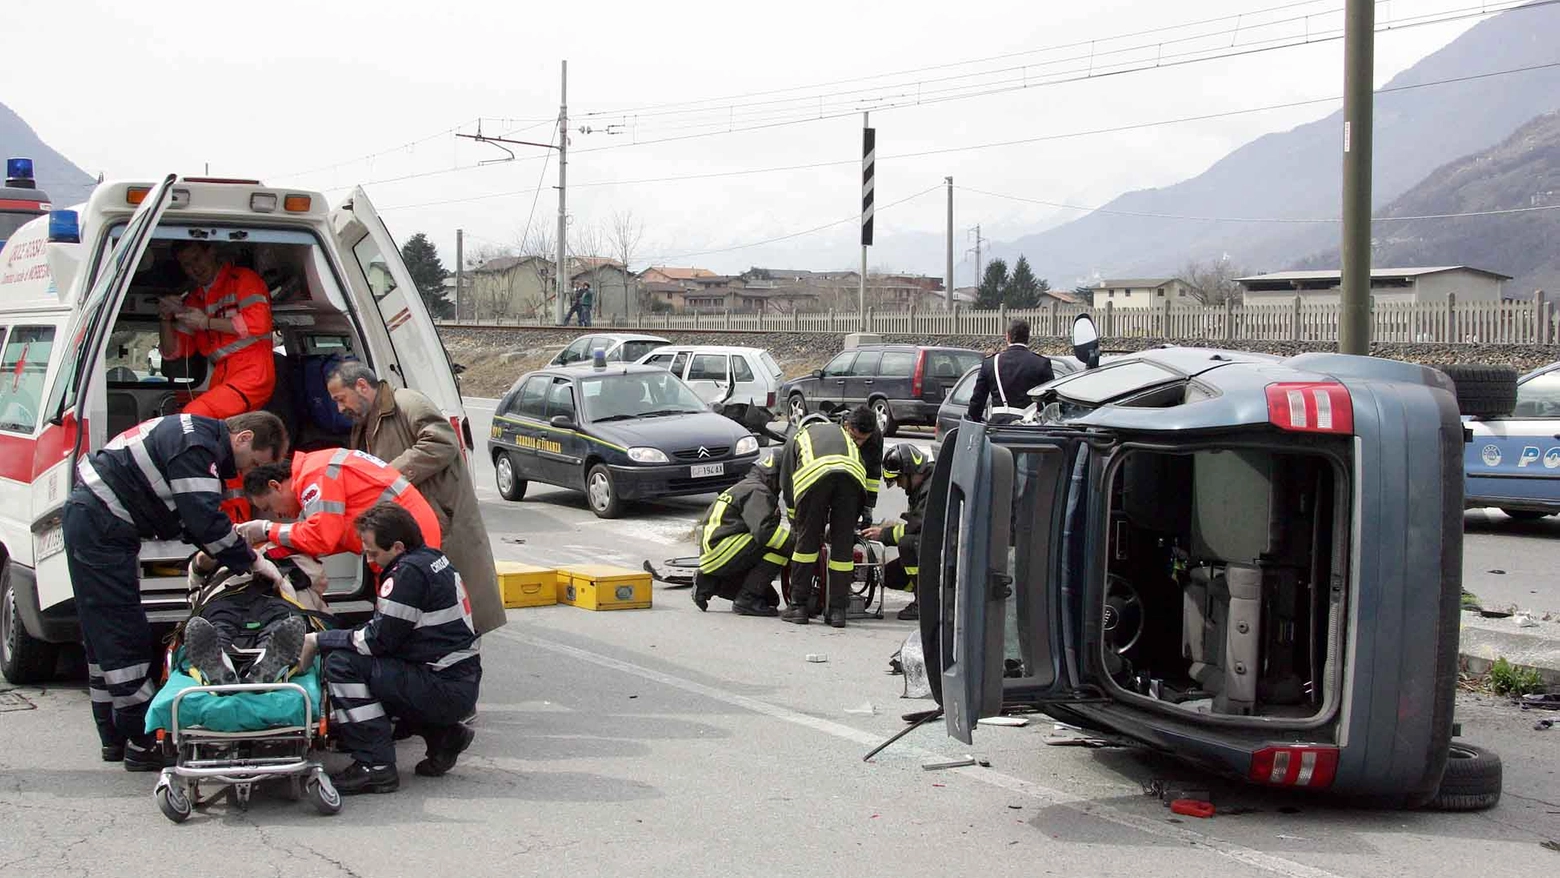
pixel 1086 341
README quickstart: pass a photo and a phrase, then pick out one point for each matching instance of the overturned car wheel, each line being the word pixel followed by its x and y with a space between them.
pixel 1472 781
pixel 1484 391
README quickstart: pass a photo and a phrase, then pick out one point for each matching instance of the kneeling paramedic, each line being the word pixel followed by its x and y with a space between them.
pixel 909 468
pixel 416 658
pixel 161 480
pixel 823 480
pixel 743 543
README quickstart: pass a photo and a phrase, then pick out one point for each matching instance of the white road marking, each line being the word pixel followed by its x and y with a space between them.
pixel 1093 808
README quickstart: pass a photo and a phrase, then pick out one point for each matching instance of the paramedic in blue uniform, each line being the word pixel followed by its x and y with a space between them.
pixel 1007 377
pixel 416 659
pixel 162 479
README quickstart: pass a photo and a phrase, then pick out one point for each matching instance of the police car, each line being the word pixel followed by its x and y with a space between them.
pixel 79 289
pixel 1513 461
pixel 617 433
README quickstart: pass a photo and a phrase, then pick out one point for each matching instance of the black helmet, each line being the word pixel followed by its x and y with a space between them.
pixel 905 459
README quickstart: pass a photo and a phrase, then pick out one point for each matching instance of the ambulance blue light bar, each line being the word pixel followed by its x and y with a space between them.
pixel 19 169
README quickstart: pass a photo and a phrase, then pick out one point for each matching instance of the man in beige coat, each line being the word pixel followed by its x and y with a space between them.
pixel 405 428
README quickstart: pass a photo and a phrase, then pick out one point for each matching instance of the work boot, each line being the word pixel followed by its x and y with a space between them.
pixel 144 754
pixel 113 752
pixel 795 613
pixel 281 652
pixel 443 747
pixel 360 777
pixel 835 617
pixel 747 607
pixel 203 647
pixel 910 613
pixel 701 601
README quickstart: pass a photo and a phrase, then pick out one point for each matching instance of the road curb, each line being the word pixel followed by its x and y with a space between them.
pixel 1483 641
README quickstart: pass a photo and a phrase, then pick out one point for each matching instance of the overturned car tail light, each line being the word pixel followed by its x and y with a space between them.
pixel 1311 407
pixel 1307 766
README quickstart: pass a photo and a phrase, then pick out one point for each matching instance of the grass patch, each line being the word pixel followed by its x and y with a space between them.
pixel 1508 679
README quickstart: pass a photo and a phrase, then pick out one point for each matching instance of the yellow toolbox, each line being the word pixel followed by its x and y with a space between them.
pixel 603 587
pixel 526 585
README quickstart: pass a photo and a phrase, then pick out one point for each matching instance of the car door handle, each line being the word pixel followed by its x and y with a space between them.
pixel 869 381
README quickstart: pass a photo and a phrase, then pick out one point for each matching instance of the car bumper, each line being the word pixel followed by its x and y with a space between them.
pixel 914 411
pixel 675 480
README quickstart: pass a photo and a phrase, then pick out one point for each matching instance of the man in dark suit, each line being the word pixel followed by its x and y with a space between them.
pixel 1007 377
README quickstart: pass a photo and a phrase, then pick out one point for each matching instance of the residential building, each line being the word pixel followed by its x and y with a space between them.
pixel 1421 285
pixel 522 286
pixel 662 274
pixel 1143 292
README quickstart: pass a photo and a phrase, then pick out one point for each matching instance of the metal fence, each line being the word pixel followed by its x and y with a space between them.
pixel 1529 322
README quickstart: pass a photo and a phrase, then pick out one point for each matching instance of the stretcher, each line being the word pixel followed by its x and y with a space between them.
pixel 227 739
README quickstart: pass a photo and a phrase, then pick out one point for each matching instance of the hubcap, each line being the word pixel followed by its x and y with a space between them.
pixel 600 492
pixel 7 624
pixel 506 474
pixel 881 410
pixel 798 408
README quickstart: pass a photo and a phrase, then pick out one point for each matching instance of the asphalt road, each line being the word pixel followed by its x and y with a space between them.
pixel 669 741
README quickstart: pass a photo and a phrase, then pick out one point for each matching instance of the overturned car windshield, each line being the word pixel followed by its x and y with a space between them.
pixel 1100 385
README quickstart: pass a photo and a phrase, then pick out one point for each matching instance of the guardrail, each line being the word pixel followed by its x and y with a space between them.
pixel 1452 322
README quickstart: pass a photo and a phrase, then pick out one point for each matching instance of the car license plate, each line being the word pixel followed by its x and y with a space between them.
pixel 47 544
pixel 705 470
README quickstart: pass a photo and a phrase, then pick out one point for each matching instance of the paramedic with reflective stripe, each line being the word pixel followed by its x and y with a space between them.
pixel 416 659
pixel 1007 377
pixel 743 543
pixel 909 468
pixel 325 490
pixel 226 319
pixel 824 483
pixel 159 480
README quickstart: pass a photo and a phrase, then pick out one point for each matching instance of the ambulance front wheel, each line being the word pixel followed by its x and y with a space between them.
pixel 24 659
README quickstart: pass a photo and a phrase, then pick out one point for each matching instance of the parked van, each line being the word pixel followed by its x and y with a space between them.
pixel 78 322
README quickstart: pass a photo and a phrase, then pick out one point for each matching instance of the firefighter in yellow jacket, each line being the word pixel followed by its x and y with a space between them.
pixel 743 543
pixel 823 479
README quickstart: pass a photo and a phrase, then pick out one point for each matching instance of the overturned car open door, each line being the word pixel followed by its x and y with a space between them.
pixel 1004 537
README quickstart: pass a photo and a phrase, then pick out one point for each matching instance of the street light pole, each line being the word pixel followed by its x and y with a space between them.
pixel 948 267
pixel 1359 69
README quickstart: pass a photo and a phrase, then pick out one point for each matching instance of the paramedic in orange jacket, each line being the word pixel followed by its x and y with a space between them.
pixel 325 491
pixel 226 319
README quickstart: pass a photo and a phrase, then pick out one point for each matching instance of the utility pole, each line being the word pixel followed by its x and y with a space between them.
pixel 563 177
pixel 1359 56
pixel 868 170
pixel 948 268
pixel 460 267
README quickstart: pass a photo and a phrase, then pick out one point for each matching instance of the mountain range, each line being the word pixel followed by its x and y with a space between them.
pixel 63 181
pixel 1445 107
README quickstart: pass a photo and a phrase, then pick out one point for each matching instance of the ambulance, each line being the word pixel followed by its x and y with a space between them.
pixel 78 333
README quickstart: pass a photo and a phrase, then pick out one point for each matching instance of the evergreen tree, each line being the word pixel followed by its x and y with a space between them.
pixel 428 273
pixel 1085 294
pixel 1023 288
pixel 993 286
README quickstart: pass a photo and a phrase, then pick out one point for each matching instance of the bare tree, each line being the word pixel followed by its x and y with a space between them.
pixel 625 235
pixel 489 294
pixel 1213 282
pixel 532 283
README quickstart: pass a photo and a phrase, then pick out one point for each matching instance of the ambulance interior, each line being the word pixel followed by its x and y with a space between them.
pixel 312 330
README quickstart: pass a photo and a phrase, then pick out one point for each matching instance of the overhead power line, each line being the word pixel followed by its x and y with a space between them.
pixel 1021 141
pixel 1020 83
pixel 1258 219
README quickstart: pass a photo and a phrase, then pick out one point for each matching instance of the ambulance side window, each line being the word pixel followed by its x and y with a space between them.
pixel 22 366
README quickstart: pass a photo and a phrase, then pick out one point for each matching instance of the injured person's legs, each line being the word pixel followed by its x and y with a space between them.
pixel 203 646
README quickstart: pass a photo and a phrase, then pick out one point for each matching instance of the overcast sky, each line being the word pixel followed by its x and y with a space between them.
pixel 303 93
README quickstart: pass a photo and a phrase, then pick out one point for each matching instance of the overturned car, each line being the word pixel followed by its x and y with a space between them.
pixel 1252 563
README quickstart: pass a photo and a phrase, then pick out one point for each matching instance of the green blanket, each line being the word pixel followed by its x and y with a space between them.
pixel 248 712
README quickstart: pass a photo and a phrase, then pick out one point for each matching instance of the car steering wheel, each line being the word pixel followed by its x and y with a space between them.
pixel 1123 617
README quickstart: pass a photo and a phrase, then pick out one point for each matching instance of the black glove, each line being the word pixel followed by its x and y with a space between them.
pixel 866 519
